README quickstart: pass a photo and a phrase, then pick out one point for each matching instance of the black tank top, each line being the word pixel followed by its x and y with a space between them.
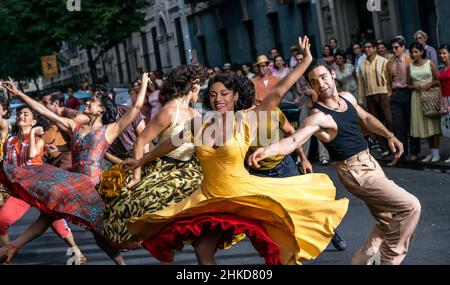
pixel 349 139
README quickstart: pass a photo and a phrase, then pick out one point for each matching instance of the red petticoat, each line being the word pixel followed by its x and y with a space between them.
pixel 173 235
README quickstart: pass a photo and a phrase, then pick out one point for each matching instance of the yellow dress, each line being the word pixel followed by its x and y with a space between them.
pixel 298 213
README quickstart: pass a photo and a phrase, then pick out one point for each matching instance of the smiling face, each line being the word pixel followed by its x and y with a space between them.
pixel 369 49
pixel 397 49
pixel 94 107
pixel 322 81
pixel 24 118
pixel 221 98
pixel 443 55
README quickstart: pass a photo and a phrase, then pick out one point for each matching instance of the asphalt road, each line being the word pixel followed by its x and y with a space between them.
pixel 429 246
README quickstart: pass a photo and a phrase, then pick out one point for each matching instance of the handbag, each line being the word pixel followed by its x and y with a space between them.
pixel 445 125
pixel 431 102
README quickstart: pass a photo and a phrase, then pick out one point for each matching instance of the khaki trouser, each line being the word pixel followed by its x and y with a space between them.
pixel 396 211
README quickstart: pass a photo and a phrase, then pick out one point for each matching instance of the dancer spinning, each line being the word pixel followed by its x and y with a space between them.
pixel 288 219
pixel 167 180
pixel 58 193
pixel 27 148
pixel 335 121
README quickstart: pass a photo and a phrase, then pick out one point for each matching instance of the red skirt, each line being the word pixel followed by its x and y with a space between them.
pixel 174 235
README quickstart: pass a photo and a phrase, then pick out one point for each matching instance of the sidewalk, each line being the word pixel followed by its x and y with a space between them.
pixel 424 150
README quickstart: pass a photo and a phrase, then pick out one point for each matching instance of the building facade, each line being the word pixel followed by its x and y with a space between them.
pixel 237 31
pixel 161 44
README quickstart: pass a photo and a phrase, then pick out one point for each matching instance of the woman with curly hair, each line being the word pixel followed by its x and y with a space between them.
pixel 169 179
pixel 288 220
pixel 61 194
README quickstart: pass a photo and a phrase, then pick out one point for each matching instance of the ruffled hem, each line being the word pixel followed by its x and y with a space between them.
pixel 174 235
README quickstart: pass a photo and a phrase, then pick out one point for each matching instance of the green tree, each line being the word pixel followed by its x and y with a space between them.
pixel 38 27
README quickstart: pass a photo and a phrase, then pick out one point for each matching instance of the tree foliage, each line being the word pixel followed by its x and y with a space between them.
pixel 33 28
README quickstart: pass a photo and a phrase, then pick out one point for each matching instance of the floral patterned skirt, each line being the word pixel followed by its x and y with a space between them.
pixel 164 182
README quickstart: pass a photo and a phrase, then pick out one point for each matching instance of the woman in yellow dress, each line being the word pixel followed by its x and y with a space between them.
pixel 288 220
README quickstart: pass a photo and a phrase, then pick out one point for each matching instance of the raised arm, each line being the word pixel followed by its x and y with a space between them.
pixel 61 122
pixel 36 144
pixel 117 128
pixel 273 99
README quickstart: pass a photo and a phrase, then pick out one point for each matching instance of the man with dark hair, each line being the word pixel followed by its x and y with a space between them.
pixel 372 88
pixel 58 150
pixel 400 97
pixel 335 120
pixel 334 45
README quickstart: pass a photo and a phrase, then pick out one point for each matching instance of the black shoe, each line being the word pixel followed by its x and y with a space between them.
pixel 338 242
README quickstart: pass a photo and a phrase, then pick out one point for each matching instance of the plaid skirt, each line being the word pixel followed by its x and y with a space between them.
pixel 56 192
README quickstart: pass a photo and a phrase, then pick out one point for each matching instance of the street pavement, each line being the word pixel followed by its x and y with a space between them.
pixel 429 246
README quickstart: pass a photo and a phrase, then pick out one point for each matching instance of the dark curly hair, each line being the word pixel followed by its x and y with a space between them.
pixel 315 64
pixel 105 89
pixel 236 83
pixel 55 95
pixel 40 120
pixel 5 104
pixel 109 116
pixel 180 81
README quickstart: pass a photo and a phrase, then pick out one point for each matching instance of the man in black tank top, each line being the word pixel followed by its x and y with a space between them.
pixel 335 120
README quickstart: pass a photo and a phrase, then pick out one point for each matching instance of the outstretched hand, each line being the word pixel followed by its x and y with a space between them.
pixel 254 159
pixel 10 86
pixel 396 148
pixel 305 46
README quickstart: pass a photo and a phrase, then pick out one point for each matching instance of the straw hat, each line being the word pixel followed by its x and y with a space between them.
pixel 261 59
pixel 227 66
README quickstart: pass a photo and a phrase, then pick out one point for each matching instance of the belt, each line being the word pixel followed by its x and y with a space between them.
pixel 356 157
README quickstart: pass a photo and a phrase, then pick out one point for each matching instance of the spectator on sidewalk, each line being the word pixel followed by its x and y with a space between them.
pixel 247 72
pixel 444 79
pixel 422 38
pixel 293 60
pixel 333 43
pixel 383 51
pixel 423 75
pixel 72 102
pixel 360 57
pixel 372 88
pixel 345 73
pixel 400 98
pixel 327 54
pixel 264 81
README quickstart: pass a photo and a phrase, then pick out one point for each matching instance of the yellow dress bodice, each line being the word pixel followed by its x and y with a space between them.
pixel 299 213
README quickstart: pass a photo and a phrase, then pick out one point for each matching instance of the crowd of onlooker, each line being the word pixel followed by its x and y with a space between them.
pixel 405 85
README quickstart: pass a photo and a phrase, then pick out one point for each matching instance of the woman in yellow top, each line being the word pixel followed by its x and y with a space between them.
pixel 287 219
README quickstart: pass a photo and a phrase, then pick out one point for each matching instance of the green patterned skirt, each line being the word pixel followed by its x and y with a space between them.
pixel 163 183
